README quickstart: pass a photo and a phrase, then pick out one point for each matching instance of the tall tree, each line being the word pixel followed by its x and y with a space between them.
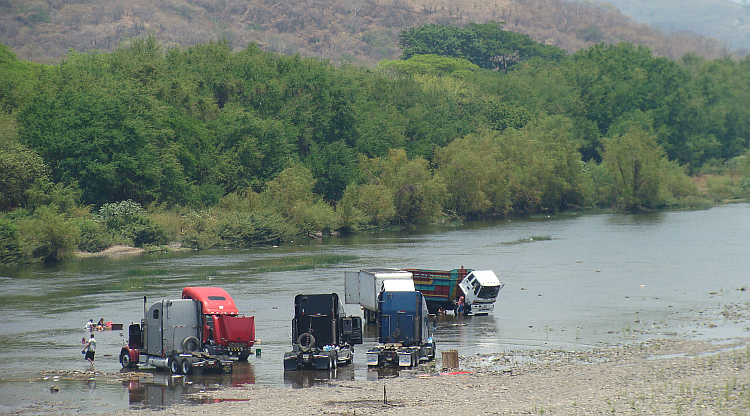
pixel 487 45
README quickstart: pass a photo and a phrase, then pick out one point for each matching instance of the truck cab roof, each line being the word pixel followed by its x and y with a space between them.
pixel 326 304
pixel 486 277
pixel 214 300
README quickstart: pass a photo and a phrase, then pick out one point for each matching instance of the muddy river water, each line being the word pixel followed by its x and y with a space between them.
pixel 571 282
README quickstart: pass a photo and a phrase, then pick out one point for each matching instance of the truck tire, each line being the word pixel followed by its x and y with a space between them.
pixel 243 355
pixel 125 360
pixel 306 340
pixel 191 344
pixel 186 366
pixel 174 364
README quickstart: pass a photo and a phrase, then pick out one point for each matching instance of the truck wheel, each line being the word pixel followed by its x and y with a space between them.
pixel 174 364
pixel 306 340
pixel 243 355
pixel 191 344
pixel 125 360
pixel 186 366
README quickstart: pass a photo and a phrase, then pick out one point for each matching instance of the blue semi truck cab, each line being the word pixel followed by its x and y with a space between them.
pixel 403 331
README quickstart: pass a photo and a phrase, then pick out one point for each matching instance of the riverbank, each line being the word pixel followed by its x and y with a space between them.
pixel 664 377
pixel 121 250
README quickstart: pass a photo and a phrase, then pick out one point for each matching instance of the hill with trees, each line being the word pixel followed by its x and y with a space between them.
pixel 212 147
pixel 362 32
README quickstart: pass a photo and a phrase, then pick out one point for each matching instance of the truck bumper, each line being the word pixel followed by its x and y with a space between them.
pixel 482 308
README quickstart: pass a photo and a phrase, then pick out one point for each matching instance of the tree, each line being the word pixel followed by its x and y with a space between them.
pixel 528 169
pixel 20 167
pixel 48 235
pixel 636 167
pixel 291 194
pixel 614 80
pixel 418 193
pixel 487 45
pixel 429 64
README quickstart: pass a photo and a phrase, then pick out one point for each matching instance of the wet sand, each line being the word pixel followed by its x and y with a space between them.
pixel 657 377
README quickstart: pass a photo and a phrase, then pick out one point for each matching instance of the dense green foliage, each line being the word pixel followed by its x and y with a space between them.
pixel 485 45
pixel 211 148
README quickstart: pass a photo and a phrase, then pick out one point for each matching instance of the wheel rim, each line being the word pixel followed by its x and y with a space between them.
pixel 186 367
pixel 175 366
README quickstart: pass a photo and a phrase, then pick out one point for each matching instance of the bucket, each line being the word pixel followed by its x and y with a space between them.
pixel 257 352
pixel 450 359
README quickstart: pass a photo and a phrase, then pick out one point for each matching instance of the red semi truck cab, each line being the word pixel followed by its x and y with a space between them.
pixel 225 330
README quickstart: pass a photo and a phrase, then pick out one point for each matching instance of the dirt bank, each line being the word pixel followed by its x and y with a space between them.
pixel 120 250
pixel 114 251
pixel 659 377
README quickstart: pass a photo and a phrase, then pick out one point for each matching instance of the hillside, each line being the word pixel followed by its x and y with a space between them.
pixel 358 31
pixel 728 20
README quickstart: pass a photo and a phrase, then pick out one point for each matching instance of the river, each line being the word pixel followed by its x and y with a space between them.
pixel 572 281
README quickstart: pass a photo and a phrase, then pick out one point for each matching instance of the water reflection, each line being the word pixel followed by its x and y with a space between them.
pixel 638 220
pixel 379 373
pixel 308 378
pixel 164 389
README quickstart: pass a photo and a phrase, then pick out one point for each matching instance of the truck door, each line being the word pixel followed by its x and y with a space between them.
pixel 153 341
pixel 351 329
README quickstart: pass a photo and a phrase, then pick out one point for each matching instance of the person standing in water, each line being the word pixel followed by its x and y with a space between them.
pixel 460 306
pixel 90 349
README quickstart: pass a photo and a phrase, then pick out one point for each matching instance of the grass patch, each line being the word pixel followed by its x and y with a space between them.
pixel 207 273
pixel 132 283
pixel 302 263
pixel 145 272
pixel 531 239
pixel 137 279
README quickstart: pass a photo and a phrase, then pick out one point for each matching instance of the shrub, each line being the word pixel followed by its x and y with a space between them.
pixel 94 236
pixel 144 232
pixel 117 215
pixel 10 252
pixel 248 229
pixel 49 235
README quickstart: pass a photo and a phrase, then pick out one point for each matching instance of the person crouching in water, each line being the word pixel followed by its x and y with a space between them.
pixel 90 349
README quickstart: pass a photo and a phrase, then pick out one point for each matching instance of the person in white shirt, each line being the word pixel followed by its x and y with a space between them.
pixel 90 349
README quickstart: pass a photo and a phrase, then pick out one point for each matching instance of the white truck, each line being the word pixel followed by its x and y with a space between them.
pixel 364 286
pixel 442 289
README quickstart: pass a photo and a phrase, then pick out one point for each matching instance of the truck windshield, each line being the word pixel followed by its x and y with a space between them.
pixel 489 292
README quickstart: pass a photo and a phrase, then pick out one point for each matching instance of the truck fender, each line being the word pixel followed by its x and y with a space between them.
pixel 128 357
pixel 191 344
pixel 306 340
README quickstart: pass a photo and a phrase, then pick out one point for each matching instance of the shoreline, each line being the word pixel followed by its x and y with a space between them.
pixel 121 250
pixel 664 377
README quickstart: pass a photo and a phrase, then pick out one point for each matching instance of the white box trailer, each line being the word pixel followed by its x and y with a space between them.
pixel 169 324
pixel 362 287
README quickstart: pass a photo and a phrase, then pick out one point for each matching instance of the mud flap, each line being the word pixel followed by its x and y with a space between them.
pixel 322 362
pixel 373 357
pixel 290 361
